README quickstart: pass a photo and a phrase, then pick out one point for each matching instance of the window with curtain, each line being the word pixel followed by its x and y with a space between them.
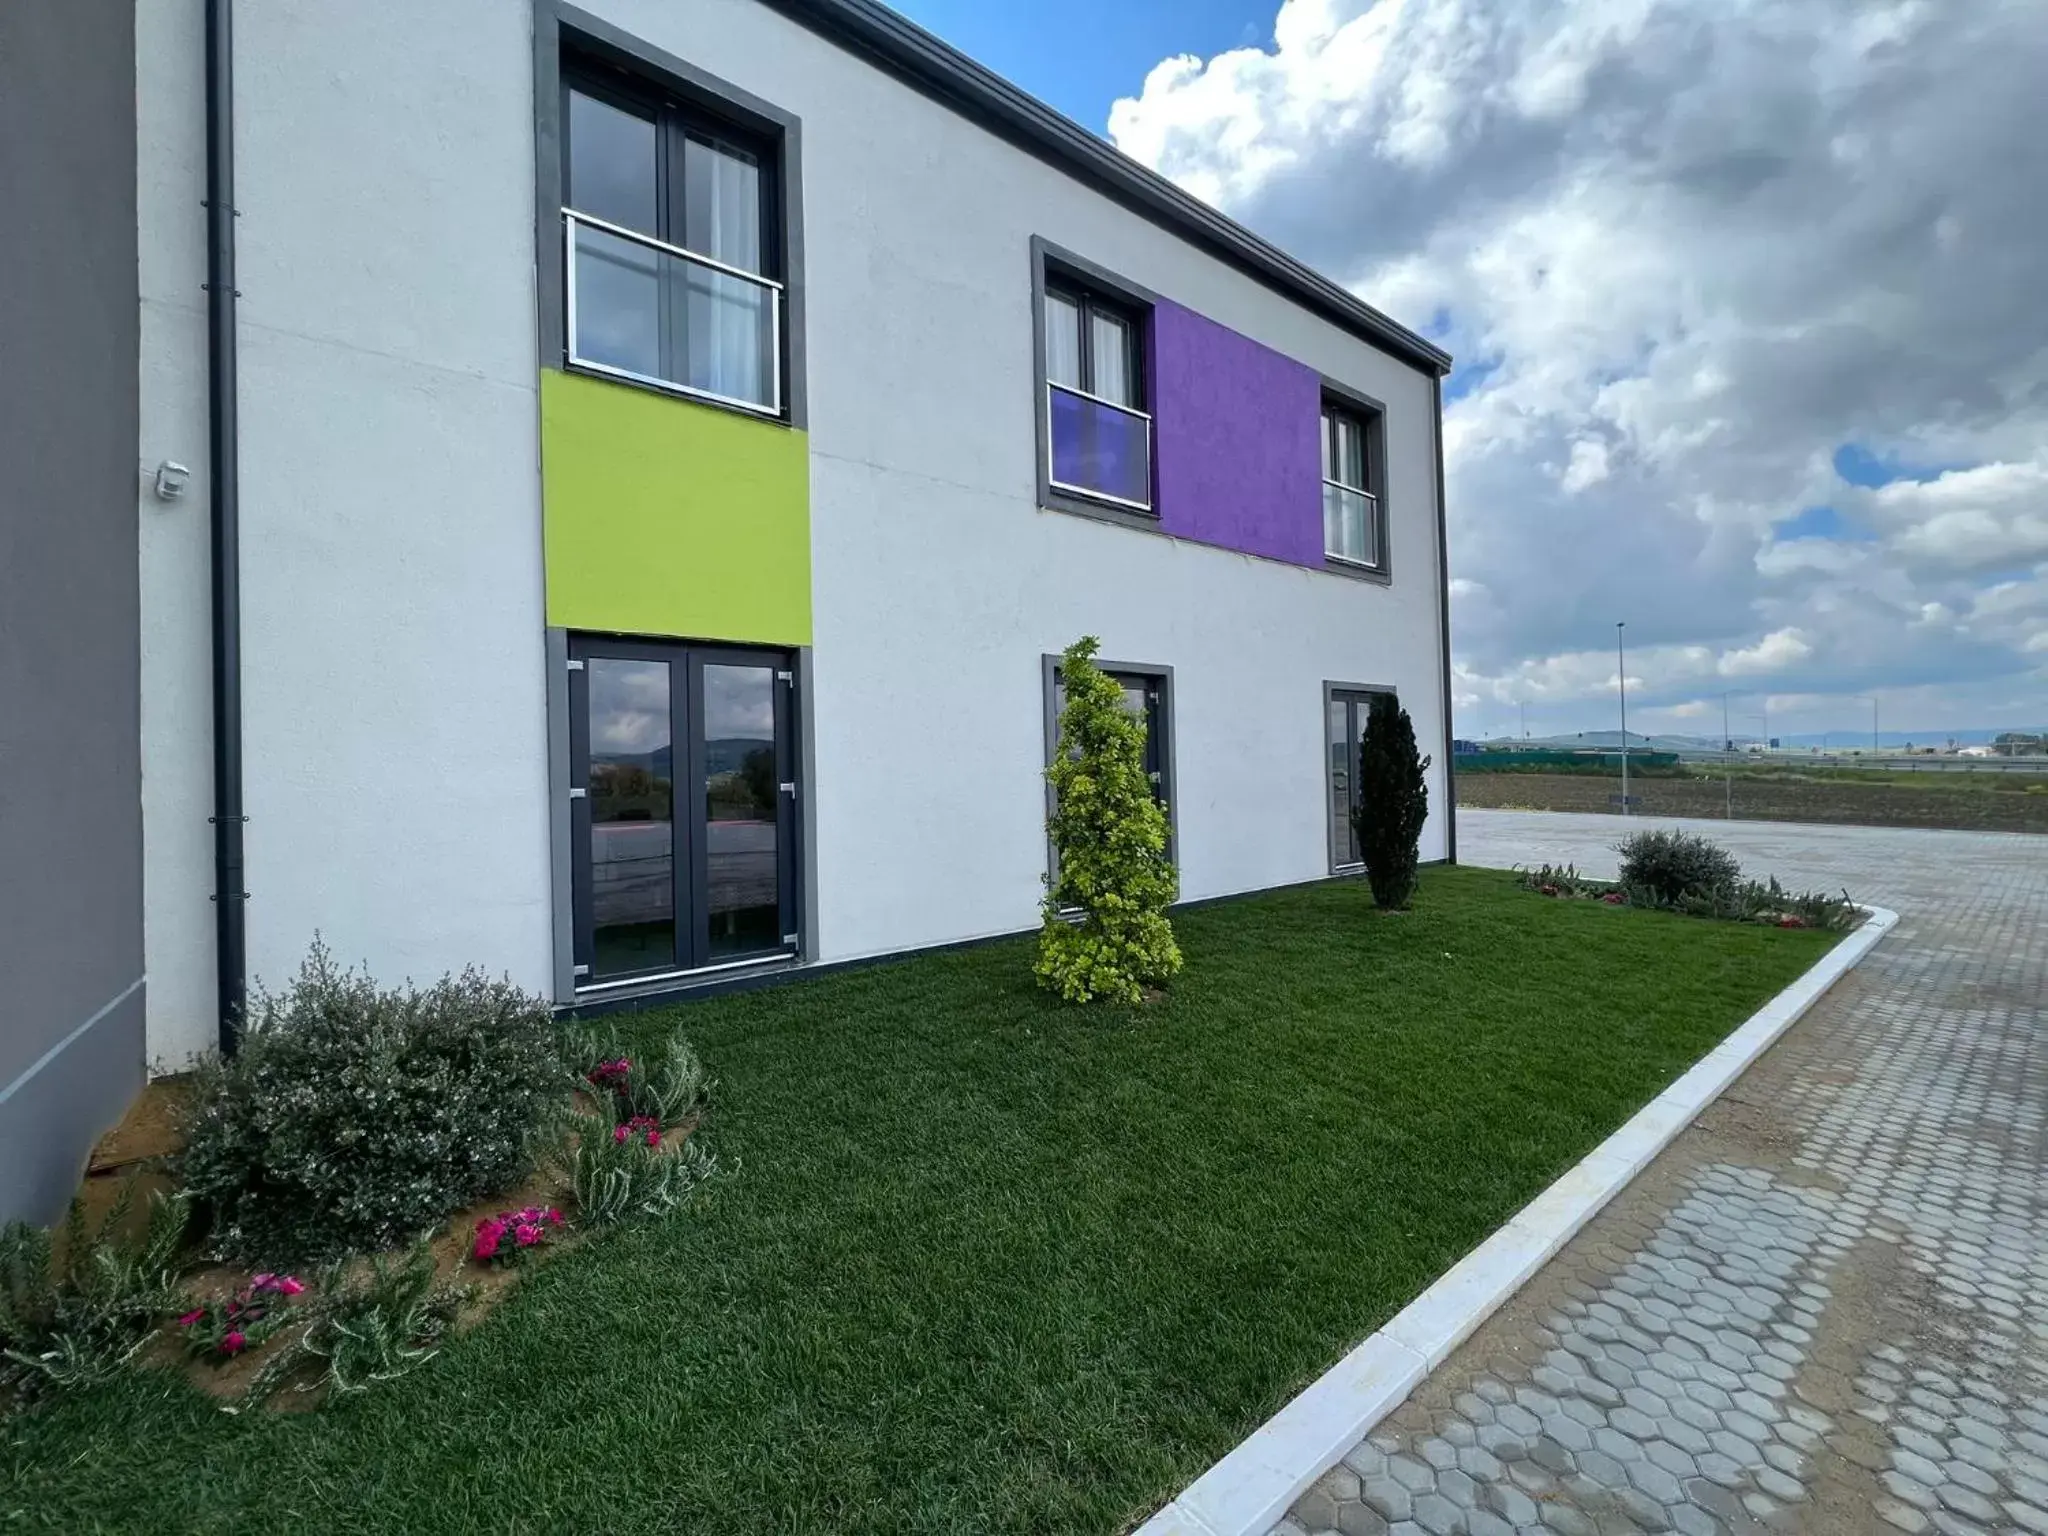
pixel 1351 521
pixel 674 254
pixel 1100 435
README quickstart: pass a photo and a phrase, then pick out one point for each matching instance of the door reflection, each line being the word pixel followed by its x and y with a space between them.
pixel 632 817
pixel 741 793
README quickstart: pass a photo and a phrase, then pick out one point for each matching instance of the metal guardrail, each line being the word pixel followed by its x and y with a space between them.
pixel 572 222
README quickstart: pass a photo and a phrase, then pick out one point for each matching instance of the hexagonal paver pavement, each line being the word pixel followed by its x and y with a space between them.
pixel 1825 1307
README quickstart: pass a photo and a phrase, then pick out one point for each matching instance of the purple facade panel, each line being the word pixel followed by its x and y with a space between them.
pixel 1239 459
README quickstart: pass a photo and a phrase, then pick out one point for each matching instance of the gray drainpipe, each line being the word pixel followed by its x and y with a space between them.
pixel 224 508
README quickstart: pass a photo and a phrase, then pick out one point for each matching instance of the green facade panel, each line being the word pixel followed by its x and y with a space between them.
pixel 665 517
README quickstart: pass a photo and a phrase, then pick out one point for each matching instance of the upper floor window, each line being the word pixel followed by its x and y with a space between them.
pixel 1099 437
pixel 1351 514
pixel 672 247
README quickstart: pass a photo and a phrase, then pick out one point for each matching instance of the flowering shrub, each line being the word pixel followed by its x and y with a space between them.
pixel 644 1128
pixel 353 1118
pixel 511 1236
pixel 218 1330
pixel 375 1328
pixel 662 1083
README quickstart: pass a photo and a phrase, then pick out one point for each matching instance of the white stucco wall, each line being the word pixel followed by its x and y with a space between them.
pixel 394 709
pixel 394 671
pixel 938 582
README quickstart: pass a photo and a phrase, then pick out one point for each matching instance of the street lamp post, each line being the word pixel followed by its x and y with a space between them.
pixel 1621 676
pixel 1727 762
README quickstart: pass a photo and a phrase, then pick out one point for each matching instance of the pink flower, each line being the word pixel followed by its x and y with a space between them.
pixel 290 1285
pixel 233 1341
pixel 527 1233
pixel 262 1281
pixel 619 1133
pixel 191 1317
pixel 488 1234
pixel 654 1138
pixel 553 1215
pixel 1614 898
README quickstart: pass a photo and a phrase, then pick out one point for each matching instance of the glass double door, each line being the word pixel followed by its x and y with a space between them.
pixel 683 794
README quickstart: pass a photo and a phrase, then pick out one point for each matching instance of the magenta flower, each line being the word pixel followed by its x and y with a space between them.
pixel 290 1285
pixel 619 1133
pixel 654 1138
pixel 232 1342
pixel 191 1317
pixel 488 1235
pixel 527 1233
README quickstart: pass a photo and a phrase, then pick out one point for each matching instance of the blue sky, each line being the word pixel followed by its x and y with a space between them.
pixel 1080 55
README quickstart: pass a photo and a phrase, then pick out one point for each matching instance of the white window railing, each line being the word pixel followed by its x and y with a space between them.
pixel 640 309
pixel 1098 448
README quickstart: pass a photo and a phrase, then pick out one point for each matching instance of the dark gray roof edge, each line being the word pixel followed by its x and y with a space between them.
pixel 978 92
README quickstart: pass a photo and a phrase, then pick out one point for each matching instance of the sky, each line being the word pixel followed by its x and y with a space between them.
pixel 1746 298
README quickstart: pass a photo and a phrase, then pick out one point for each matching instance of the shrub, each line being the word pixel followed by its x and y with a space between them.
pixel 353 1117
pixel 619 1178
pixel 68 1326
pixel 1661 868
pixel 1105 931
pixel 1393 802
pixel 385 1323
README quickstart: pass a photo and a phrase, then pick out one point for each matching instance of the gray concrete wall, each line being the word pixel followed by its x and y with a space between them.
pixel 71 995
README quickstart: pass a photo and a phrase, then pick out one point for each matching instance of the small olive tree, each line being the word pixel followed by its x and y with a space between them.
pixel 1393 802
pixel 1105 932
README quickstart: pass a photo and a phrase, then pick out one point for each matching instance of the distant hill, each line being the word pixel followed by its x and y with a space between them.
pixel 724 755
pixel 1841 741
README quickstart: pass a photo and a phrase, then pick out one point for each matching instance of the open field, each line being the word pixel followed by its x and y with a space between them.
pixel 989 1264
pixel 1961 802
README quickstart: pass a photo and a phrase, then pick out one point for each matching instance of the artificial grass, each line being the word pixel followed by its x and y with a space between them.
pixel 989 1263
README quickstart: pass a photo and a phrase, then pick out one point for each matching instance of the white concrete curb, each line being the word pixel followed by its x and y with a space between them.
pixel 1255 1484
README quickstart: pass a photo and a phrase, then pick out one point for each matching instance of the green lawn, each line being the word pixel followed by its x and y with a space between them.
pixel 990 1264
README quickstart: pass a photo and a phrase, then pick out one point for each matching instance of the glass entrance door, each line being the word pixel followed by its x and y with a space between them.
pixel 1346 709
pixel 683 808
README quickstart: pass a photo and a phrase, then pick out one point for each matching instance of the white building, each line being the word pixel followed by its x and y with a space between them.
pixel 672 436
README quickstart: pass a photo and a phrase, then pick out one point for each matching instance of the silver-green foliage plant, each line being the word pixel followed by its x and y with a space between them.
pixel 635 1176
pixel 63 1327
pixel 663 1080
pixel 358 1332
pixel 354 1117
pixel 1105 932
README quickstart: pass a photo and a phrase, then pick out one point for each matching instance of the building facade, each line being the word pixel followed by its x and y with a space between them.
pixel 673 437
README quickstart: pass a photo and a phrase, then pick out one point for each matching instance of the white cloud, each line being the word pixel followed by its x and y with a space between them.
pixel 1588 466
pixel 1776 652
pixel 1695 249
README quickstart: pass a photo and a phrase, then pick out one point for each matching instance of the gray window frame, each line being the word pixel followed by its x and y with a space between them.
pixel 558 27
pixel 1053 266
pixel 1371 414
pixel 1169 783
pixel 1331 690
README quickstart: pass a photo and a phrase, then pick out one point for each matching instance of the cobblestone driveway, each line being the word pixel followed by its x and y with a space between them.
pixel 1825 1307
